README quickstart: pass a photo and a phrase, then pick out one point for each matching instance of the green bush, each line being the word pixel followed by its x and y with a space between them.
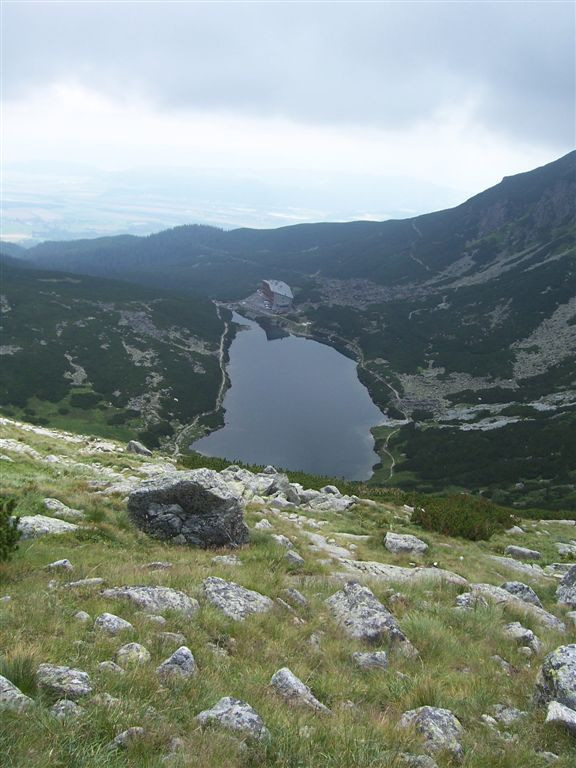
pixel 460 515
pixel 9 533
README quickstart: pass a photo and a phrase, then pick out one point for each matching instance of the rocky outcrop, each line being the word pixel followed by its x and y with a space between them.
pixel 195 508
pixel 502 597
pixel 63 682
pixel 293 690
pixel 12 698
pixel 235 601
pixel 566 591
pixel 523 591
pixel 155 599
pixel 60 509
pixel 439 727
pixel 362 616
pixel 385 572
pixel 522 553
pixel 404 543
pixel 134 446
pixel 523 636
pixel 558 714
pixel 235 715
pixel 556 679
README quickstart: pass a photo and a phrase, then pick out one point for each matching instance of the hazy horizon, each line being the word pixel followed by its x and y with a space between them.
pixel 135 117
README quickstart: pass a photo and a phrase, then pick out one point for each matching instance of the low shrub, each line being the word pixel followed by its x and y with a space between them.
pixel 9 533
pixel 461 515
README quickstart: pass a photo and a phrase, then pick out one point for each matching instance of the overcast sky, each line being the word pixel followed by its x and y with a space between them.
pixel 441 99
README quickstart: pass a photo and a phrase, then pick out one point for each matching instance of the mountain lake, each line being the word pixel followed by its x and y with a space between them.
pixel 296 404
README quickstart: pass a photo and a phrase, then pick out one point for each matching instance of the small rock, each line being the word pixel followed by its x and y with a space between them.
pixel 331 489
pixel 522 553
pixel 83 617
pixel 523 636
pixel 439 727
pixel 418 761
pixel 64 682
pixel 171 638
pixel 514 531
pixel 154 618
pixel 132 653
pixel 180 665
pixel 235 715
pixel 404 543
pixel 269 470
pixel 110 666
pixel 65 708
pixel 295 597
pixel 468 601
pixel 61 510
pixel 95 581
pixel 111 624
pixel 523 591
pixel 374 660
pixel 5 599
pixel 60 565
pixel 293 690
pixel 282 541
pixel 561 715
pixel 129 737
pixel 503 664
pixel 226 560
pixel 235 601
pixel 508 715
pixel 157 565
pixel 549 757
pixel 105 700
pixel 12 698
pixel 293 558
pixel 263 525
pixel 134 446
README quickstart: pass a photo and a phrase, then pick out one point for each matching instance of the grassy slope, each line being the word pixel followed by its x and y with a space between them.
pixel 133 343
pixel 454 670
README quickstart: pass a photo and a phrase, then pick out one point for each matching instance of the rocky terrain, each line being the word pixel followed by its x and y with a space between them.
pixel 326 630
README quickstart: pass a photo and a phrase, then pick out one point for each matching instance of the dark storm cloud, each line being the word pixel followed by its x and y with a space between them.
pixel 382 65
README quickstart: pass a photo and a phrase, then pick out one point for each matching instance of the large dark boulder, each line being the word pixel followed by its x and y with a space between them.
pixel 195 508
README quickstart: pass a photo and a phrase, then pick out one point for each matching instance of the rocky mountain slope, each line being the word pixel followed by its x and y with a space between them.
pixel 463 323
pixel 89 353
pixel 341 634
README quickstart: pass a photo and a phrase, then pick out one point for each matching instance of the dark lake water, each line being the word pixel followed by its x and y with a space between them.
pixel 296 404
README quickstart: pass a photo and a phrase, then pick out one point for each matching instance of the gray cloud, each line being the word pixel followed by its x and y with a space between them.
pixel 381 65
